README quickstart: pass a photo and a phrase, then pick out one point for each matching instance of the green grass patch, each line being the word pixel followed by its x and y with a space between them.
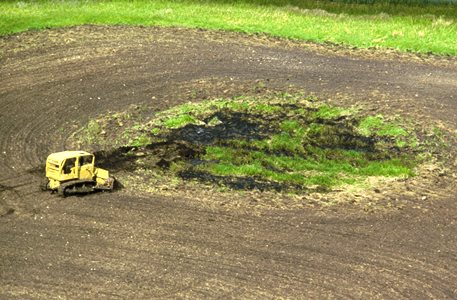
pixel 91 133
pixel 179 121
pixel 266 108
pixel 297 143
pixel 376 125
pixel 330 112
pixel 322 170
pixel 140 141
pixel 413 26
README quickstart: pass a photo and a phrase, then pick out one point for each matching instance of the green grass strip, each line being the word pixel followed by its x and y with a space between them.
pixel 414 27
pixel 226 161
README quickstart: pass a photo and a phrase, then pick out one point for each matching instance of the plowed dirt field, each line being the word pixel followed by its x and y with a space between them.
pixel 124 245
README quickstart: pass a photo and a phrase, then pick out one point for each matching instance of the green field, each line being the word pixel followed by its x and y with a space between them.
pixel 415 26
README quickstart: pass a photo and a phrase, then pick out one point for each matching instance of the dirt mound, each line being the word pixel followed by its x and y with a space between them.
pixel 287 144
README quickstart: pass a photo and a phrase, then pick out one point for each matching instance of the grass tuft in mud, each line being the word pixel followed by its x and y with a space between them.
pixel 278 142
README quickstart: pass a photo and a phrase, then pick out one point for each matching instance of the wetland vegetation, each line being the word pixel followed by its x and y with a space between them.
pixel 279 142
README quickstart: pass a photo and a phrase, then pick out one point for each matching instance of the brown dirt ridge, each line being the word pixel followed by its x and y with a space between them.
pixel 175 245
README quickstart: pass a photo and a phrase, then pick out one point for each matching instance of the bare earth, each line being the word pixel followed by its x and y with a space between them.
pixel 123 245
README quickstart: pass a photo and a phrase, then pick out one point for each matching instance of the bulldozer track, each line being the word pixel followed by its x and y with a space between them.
pixel 78 187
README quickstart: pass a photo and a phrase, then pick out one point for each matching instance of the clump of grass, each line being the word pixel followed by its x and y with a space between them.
pixel 266 108
pixel 179 121
pixel 331 112
pixel 91 133
pixel 285 141
pixel 291 126
pixel 141 141
pixel 372 125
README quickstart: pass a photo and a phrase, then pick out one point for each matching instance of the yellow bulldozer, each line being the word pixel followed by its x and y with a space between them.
pixel 74 172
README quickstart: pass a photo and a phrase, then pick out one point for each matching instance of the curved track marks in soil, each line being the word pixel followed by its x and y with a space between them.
pixel 119 245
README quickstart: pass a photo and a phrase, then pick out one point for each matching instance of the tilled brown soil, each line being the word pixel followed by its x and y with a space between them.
pixel 121 245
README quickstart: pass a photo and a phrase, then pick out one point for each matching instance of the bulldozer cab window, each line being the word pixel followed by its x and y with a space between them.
pixel 68 165
pixel 86 160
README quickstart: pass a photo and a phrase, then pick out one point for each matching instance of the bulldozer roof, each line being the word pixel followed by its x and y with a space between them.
pixel 61 156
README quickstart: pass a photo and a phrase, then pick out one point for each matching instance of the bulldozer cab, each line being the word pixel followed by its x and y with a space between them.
pixel 69 165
